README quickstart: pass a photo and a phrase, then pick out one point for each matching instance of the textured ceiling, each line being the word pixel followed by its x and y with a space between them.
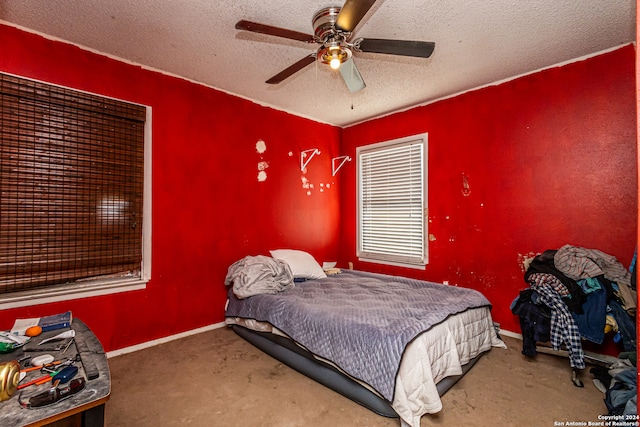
pixel 478 42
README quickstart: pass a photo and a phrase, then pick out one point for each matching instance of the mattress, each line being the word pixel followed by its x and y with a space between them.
pixel 433 356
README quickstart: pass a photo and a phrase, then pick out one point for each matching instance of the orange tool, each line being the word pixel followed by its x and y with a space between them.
pixel 36 381
pixel 33 368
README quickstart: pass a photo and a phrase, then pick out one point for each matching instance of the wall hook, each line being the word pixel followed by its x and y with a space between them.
pixel 342 159
pixel 303 154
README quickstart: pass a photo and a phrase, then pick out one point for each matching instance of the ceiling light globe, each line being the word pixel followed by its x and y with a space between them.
pixel 334 63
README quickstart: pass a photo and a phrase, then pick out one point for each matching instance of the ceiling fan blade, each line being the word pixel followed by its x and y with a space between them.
pixel 351 76
pixel 352 13
pixel 289 71
pixel 395 47
pixel 274 31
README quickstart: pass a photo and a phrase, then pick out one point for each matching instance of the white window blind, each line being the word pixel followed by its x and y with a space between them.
pixel 392 202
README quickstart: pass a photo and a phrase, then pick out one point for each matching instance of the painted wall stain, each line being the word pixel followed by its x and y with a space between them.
pixel 261 147
pixel 466 189
pixel 306 184
pixel 262 175
pixel 524 260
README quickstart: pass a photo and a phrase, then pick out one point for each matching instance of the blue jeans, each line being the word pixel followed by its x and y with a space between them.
pixel 592 320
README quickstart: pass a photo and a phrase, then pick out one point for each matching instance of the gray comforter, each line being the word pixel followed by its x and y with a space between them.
pixel 259 274
pixel 360 321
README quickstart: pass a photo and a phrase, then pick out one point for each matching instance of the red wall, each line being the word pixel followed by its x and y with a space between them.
pixel 550 160
pixel 209 209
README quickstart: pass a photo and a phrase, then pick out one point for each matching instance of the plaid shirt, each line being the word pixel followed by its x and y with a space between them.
pixel 563 327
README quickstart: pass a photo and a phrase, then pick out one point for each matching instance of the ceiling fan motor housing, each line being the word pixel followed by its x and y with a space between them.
pixel 324 23
pixel 332 39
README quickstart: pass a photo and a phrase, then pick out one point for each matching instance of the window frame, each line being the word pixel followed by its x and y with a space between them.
pixel 382 258
pixel 98 286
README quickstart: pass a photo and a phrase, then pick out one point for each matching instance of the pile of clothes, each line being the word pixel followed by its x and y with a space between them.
pixel 576 293
pixel 619 384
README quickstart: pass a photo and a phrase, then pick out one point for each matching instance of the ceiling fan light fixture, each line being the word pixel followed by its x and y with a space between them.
pixel 335 63
pixel 334 55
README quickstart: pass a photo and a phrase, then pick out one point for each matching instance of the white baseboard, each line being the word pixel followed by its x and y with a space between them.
pixel 510 334
pixel 589 355
pixel 163 340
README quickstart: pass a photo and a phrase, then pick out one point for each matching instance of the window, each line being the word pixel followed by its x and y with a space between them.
pixel 392 202
pixel 72 180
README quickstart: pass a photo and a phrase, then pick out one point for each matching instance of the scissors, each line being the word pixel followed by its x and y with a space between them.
pixel 62 346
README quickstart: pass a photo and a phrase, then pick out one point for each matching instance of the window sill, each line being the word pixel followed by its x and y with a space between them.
pixel 69 292
pixel 395 264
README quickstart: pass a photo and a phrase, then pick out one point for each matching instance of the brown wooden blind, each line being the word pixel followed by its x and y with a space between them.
pixel 71 185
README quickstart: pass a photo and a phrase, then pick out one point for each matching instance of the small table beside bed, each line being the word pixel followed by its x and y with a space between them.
pixel 391 344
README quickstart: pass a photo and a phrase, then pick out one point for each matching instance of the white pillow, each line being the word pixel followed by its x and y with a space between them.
pixel 303 265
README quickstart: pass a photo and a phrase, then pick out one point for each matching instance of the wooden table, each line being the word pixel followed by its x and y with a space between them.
pixel 85 408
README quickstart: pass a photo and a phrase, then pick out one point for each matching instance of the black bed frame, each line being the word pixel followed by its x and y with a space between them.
pixel 292 355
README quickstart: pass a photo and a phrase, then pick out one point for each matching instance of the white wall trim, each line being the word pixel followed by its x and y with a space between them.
pixel 510 334
pixel 157 70
pixel 265 104
pixel 603 358
pixel 496 83
pixel 163 340
pixel 149 344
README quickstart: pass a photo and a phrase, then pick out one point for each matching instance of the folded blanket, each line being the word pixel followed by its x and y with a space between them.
pixel 260 274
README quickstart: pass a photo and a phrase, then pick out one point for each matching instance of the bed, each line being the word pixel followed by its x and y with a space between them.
pixel 392 344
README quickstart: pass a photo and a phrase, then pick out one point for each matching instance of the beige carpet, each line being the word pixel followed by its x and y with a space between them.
pixel 217 379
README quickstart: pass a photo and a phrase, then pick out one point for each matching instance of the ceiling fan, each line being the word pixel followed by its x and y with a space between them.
pixel 333 28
